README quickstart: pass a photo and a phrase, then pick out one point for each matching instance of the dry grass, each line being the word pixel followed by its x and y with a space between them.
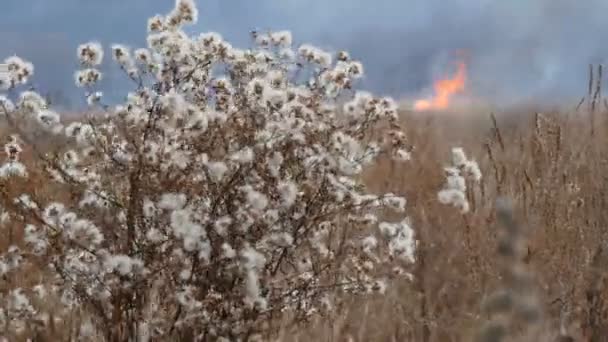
pixel 555 173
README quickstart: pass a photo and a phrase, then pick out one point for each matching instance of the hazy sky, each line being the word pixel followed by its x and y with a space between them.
pixel 516 49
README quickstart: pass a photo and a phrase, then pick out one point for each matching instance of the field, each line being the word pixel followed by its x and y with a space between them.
pixel 554 171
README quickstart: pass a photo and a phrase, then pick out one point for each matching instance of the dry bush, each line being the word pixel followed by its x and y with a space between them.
pixel 225 194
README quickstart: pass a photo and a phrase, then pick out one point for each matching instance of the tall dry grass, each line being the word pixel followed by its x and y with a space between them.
pixel 554 172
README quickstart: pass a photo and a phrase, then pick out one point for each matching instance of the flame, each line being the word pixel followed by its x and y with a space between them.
pixel 444 89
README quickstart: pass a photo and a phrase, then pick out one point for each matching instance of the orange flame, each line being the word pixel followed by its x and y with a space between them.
pixel 444 89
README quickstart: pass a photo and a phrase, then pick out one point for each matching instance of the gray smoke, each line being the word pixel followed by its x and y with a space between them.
pixel 516 50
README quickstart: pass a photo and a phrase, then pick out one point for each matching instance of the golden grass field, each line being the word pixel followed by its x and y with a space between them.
pixel 553 169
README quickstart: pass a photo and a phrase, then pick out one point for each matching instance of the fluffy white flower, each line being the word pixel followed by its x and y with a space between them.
pixel 121 54
pixel 123 264
pixel 281 38
pixel 19 71
pixel 13 168
pixel 255 199
pixel 289 192
pixel 454 197
pixel 172 201
pixel 31 101
pixel 217 170
pixel 243 156
pixel 87 77
pixel 90 54
pixel 454 191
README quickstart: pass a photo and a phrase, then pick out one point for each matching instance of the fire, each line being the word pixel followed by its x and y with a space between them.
pixel 444 89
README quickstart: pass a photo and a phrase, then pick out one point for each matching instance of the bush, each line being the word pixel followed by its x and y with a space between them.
pixel 224 194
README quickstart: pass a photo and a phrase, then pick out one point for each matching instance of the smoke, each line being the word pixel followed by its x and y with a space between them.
pixel 517 50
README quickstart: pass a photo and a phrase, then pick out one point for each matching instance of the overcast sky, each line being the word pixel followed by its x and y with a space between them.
pixel 516 49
